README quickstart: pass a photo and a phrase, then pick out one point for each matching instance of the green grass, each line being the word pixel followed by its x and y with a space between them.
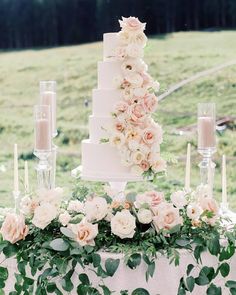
pixel 171 59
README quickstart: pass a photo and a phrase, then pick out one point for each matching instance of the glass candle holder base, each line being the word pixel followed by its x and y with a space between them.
pixel 16 196
pixel 227 214
pixel 44 171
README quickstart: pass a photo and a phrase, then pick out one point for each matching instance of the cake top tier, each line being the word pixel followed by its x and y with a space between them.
pixel 110 42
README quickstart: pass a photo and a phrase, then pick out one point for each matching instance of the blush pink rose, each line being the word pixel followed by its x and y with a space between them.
pixel 149 136
pixel 13 228
pixel 209 204
pixel 132 24
pixel 137 112
pixel 84 232
pixel 119 126
pixel 121 106
pixel 147 79
pixel 150 103
pixel 144 165
pixel 157 197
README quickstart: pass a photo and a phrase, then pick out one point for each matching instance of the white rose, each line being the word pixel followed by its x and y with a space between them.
pixel 28 205
pixel 159 165
pixel 142 200
pixel 139 39
pixel 194 211
pixel 117 140
pixel 133 145
pixel 140 92
pixel 52 196
pixel 137 157
pixel 128 66
pixel 85 232
pixel 179 199
pixel 124 37
pixel 167 217
pixel 134 79
pixel 64 218
pixel 123 224
pixel 75 206
pixel 95 209
pixel 144 216
pixel 134 50
pixel 44 214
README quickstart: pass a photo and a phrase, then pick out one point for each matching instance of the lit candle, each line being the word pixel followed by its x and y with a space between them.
pixel 43 135
pixel 26 178
pixel 188 168
pixel 206 133
pixel 16 175
pixel 224 181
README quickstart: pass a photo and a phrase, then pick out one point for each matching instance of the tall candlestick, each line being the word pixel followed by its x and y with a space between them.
pixel 26 178
pixel 16 173
pixel 188 168
pixel 224 181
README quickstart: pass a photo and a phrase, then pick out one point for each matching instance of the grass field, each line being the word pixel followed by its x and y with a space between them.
pixel 171 58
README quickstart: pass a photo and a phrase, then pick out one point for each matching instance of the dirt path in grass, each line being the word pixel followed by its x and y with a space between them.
pixel 195 77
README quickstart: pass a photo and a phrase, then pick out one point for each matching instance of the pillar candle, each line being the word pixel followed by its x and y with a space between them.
pixel 188 168
pixel 26 178
pixel 206 132
pixel 16 175
pixel 49 98
pixel 224 181
pixel 42 135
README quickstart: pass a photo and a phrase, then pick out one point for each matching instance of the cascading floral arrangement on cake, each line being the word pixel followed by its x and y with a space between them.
pixel 124 139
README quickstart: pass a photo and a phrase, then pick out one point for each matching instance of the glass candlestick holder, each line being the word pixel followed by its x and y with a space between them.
pixel 53 162
pixel 207 143
pixel 17 198
pixel 43 145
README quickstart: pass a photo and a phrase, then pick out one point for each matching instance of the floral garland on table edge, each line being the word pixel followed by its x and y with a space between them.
pixel 135 134
pixel 61 234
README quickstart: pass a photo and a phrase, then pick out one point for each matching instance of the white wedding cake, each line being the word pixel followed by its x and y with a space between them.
pixel 124 141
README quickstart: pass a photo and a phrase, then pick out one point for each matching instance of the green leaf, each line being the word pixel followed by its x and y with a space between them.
pixel 134 260
pixel 89 249
pixel 82 290
pixel 66 283
pixel 84 279
pixel 51 287
pixel 182 242
pixel 214 290
pixel 175 229
pixel 197 252
pixel 21 267
pixel 59 245
pixel 106 291
pixel 67 232
pixel 230 284
pixel 3 273
pixel 96 259
pixel 213 246
pixel 232 291
pixel 190 281
pixel 224 269
pixel 140 291
pixel 111 266
pixel 189 269
pixel 227 253
pixel 10 250
pixel 131 197
pixel 151 269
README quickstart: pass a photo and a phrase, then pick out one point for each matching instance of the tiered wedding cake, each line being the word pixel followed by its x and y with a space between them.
pixel 123 140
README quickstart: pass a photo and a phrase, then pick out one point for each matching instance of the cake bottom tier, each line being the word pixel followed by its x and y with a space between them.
pixel 101 162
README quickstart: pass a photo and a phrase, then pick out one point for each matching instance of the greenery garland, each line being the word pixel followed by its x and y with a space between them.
pixel 55 254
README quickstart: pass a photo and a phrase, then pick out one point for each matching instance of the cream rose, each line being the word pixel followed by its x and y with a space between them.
pixel 168 217
pixel 64 218
pixel 95 209
pixel 139 39
pixel 143 200
pixel 123 224
pixel 124 37
pixel 144 216
pixel 156 197
pixel 85 232
pixel 75 206
pixel 129 66
pixel 137 157
pixel 117 140
pixel 121 106
pixel 44 214
pixel 137 113
pixel 120 52
pixel 179 199
pixel 149 136
pixel 150 103
pixel 134 50
pixel 13 228
pixel 140 92
pixel 194 211
pixel 209 204
pixel 131 24
pixel 159 165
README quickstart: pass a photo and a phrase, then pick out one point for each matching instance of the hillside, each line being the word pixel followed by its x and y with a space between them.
pixel 171 58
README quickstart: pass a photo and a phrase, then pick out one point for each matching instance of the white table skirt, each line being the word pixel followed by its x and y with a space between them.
pixel 164 282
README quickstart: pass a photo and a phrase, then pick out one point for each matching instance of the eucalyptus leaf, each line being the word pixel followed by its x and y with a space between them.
pixel 140 291
pixel 59 245
pixel 111 266
pixel 67 232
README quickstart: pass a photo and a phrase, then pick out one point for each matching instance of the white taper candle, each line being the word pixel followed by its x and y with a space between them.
pixel 224 181
pixel 16 175
pixel 26 178
pixel 188 168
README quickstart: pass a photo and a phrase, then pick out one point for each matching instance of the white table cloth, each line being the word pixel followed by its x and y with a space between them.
pixel 164 282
